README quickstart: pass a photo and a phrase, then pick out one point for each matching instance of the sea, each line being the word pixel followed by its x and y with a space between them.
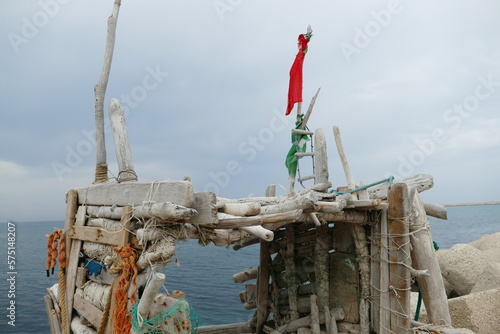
pixel 204 274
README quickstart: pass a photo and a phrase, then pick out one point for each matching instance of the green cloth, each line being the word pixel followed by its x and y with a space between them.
pixel 298 145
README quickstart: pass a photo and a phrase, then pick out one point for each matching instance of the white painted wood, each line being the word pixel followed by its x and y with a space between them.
pixel 242 209
pixel 343 159
pixel 150 292
pixel 420 182
pixel 320 158
pixel 259 232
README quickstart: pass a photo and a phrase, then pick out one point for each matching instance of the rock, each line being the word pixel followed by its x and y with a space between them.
pixel 487 241
pixel 461 266
pixel 478 312
pixel 488 279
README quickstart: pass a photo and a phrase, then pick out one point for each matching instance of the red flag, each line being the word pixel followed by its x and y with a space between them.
pixel 295 87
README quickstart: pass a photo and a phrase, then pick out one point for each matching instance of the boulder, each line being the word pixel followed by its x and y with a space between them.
pixel 461 266
pixel 478 312
pixel 488 279
pixel 487 241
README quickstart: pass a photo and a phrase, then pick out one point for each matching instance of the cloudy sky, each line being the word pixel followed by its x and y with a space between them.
pixel 414 87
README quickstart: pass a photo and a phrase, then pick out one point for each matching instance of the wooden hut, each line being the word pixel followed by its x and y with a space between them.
pixel 331 260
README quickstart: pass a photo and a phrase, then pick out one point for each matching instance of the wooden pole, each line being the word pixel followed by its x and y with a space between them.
pixel 321 266
pixel 263 276
pixel 423 257
pixel 122 146
pixel 385 304
pixel 399 258
pixel 343 159
pixel 100 92
pixel 290 272
pixel 320 158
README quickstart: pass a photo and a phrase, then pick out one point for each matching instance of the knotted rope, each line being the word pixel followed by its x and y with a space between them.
pixel 57 246
pixel 121 319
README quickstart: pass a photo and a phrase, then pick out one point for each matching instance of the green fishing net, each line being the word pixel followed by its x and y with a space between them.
pixel 169 321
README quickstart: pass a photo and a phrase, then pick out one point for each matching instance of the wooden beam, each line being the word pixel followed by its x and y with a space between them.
pixel 88 310
pixel 74 258
pixel 399 258
pixel 121 194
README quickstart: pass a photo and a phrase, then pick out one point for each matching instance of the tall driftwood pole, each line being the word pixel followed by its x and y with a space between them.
pixel 101 172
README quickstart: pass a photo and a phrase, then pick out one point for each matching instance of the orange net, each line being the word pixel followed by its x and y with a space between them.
pixel 121 317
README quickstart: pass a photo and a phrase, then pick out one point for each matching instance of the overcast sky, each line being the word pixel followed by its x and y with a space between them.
pixel 414 87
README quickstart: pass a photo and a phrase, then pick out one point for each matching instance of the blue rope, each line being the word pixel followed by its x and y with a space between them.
pixel 389 179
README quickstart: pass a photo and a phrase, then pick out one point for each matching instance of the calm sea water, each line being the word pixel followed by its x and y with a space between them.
pixel 204 274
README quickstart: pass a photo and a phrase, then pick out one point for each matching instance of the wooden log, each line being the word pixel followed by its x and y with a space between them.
pixel 322 266
pixel 292 326
pixel 242 209
pixel 149 294
pixel 100 87
pixel 375 275
pixel 343 159
pixel 263 285
pixel 166 211
pixel 259 232
pixel 423 257
pixel 230 221
pixel 245 275
pixel 320 157
pixel 436 210
pixel 421 182
pixel 359 237
pixel 74 256
pixel 291 283
pixel 399 257
pixel 237 328
pixel 385 304
pixel 122 146
pixel 314 315
pixel 297 203
pixel 330 322
pixel 121 194
pixel 55 304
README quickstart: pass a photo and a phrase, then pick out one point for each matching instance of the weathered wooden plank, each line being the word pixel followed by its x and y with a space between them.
pixel 100 235
pixel 423 257
pixel 135 193
pixel 206 209
pixel 385 304
pixel 421 182
pixel 399 257
pixel 263 285
pixel 88 310
pixel 74 256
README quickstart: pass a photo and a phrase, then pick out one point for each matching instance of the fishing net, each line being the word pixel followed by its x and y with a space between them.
pixel 179 318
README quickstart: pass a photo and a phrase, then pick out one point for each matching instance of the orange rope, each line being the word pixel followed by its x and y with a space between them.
pixel 121 318
pixel 57 246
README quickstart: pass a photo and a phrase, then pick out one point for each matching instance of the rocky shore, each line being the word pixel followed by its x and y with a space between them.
pixel 471 275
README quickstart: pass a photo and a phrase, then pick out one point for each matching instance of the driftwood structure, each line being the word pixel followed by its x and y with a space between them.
pixel 331 260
